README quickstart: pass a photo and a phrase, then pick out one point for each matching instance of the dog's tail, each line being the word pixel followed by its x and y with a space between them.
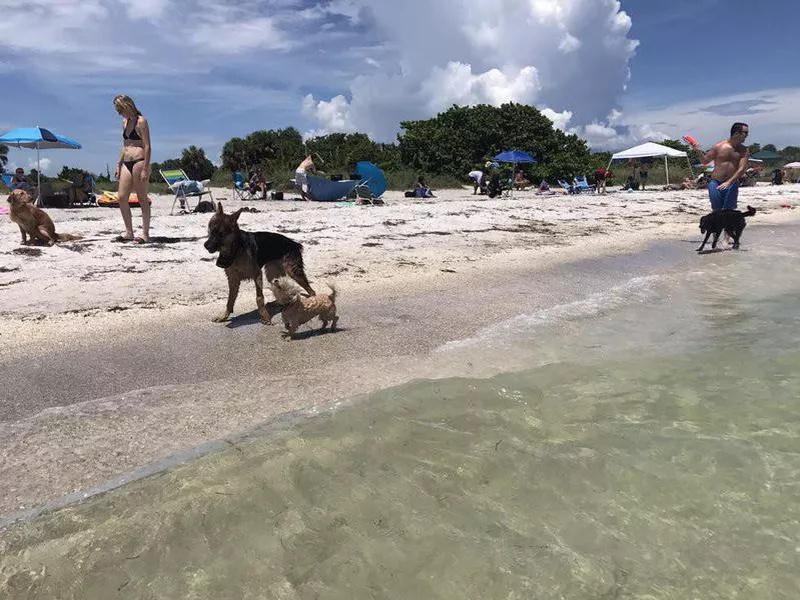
pixel 749 212
pixel 68 237
pixel 333 291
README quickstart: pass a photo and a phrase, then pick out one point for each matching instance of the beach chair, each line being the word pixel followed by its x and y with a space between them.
pixel 570 189
pixel 92 194
pixel 181 185
pixel 582 185
pixel 241 187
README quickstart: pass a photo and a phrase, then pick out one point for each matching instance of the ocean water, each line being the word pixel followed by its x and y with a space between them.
pixel 639 442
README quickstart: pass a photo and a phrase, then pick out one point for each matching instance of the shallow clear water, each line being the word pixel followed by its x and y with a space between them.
pixel 647 446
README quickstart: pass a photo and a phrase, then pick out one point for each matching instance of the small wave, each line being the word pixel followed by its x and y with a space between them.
pixel 635 291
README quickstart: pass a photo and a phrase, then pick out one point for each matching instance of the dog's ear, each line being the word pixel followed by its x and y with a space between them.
pixel 235 216
pixel 219 209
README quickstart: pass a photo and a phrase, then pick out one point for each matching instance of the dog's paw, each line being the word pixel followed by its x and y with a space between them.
pixel 221 318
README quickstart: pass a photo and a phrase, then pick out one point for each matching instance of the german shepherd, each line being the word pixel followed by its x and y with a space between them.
pixel 730 221
pixel 244 255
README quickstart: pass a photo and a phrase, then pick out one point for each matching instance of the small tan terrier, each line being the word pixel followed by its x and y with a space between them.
pixel 299 309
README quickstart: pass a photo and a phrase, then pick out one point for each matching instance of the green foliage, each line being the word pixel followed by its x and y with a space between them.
pixel 341 151
pixel 406 179
pixel 73 174
pixel 790 154
pixel 270 150
pixel 463 138
pixel 195 164
pixel 3 158
pixel 694 155
pixel 443 149
pixel 769 148
pixel 754 148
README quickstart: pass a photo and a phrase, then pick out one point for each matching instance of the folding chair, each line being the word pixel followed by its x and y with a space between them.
pixel 241 187
pixel 582 185
pixel 92 194
pixel 178 182
pixel 570 189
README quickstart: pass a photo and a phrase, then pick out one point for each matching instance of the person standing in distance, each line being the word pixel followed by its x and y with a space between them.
pixel 133 167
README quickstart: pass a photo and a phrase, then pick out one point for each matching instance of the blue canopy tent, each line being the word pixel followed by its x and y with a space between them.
pixel 515 157
pixel 324 190
pixel 41 139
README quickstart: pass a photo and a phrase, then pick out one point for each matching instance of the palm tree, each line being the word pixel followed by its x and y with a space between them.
pixel 3 157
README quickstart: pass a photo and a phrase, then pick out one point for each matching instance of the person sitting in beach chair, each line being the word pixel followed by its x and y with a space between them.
pixel 630 184
pixel 259 183
pixel 241 187
pixel 422 190
pixel 19 181
pixel 82 189
pixel 520 182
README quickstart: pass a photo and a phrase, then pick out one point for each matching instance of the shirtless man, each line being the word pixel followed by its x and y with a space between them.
pixel 300 175
pixel 730 162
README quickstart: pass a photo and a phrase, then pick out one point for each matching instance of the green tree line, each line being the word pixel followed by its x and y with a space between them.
pixel 446 147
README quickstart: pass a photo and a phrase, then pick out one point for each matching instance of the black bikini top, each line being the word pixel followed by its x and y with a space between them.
pixel 132 135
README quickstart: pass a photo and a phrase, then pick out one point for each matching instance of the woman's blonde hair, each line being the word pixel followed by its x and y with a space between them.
pixel 125 104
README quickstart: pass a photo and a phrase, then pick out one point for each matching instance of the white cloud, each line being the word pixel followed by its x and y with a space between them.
pixel 234 37
pixel 334 112
pixel 570 56
pixel 45 164
pixel 560 119
pixel 569 43
pixel 50 26
pixel 146 9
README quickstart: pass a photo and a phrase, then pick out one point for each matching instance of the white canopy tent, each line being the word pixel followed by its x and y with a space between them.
pixel 651 150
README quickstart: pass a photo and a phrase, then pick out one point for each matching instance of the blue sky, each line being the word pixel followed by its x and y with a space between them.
pixel 204 71
pixel 677 61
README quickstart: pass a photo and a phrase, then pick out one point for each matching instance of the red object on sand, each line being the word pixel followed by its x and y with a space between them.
pixel 691 140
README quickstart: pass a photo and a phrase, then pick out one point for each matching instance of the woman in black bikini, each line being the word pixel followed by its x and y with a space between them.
pixel 133 168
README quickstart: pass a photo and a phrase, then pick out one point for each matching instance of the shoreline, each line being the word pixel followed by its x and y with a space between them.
pixel 64 449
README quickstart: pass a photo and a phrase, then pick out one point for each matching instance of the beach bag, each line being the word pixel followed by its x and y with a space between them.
pixel 276 195
pixel 411 194
pixel 204 206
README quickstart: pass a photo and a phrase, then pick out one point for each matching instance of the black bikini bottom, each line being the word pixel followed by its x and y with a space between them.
pixel 129 164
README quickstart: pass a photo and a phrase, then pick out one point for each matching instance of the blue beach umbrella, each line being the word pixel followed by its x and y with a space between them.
pixel 515 156
pixel 372 177
pixel 41 139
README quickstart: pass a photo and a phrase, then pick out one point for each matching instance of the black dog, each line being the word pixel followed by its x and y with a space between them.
pixel 730 221
pixel 243 255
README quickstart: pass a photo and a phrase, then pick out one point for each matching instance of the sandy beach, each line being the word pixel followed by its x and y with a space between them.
pixel 111 361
